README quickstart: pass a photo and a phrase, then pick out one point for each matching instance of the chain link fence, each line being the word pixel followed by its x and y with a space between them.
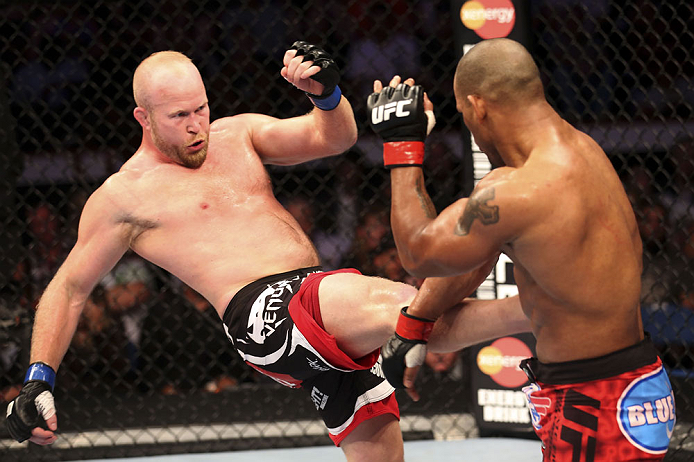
pixel 150 370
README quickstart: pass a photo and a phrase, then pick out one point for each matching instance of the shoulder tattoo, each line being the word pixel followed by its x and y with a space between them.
pixel 477 208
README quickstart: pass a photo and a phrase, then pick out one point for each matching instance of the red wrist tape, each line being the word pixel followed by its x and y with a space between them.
pixel 403 153
pixel 412 327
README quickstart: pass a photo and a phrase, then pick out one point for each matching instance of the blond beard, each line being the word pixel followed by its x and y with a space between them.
pixel 178 153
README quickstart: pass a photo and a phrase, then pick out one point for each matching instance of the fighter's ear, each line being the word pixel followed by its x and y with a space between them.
pixel 478 105
pixel 142 116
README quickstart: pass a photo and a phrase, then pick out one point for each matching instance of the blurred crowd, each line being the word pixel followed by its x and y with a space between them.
pixel 661 190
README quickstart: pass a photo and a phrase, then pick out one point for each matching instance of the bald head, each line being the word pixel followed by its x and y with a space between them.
pixel 500 71
pixel 161 74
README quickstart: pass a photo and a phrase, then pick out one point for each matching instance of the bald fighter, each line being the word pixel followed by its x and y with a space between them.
pixel 555 206
pixel 195 199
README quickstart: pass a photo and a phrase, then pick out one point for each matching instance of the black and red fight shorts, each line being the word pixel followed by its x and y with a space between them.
pixel 617 407
pixel 275 325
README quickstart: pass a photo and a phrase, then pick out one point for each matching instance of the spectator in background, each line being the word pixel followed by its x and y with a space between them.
pixel 679 197
pixel 46 247
pixel 445 365
pixel 221 363
pixel 262 22
pixel 97 358
pixel 385 37
pixel 184 350
pixel 350 173
pixel 639 184
pixel 668 310
pixel 93 322
pixel 15 335
pixel 442 182
pixel 683 267
pixel 371 238
pixel 658 254
pixel 323 16
pixel 73 208
pixel 331 246
pixel 387 263
pixel 49 78
pixel 334 238
pixel 129 294
pixel 651 221
pixel 243 76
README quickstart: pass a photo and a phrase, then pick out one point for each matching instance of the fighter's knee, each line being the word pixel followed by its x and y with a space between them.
pixel 399 295
pixel 404 294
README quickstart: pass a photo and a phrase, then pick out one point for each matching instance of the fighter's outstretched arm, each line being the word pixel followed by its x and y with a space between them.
pixel 473 321
pixel 437 294
pixel 101 241
pixel 327 130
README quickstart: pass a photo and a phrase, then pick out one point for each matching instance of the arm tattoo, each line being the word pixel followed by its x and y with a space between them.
pixel 477 207
pixel 424 199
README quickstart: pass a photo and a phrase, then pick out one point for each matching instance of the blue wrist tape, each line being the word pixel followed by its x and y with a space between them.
pixel 329 102
pixel 41 371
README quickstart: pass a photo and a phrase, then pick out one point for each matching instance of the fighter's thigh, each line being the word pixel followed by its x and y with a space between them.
pixel 346 296
pixel 379 439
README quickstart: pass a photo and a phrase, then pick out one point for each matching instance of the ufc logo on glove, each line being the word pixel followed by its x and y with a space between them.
pixel 397 116
pixel 381 113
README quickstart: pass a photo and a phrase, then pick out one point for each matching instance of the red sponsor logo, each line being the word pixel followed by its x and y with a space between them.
pixel 489 18
pixel 500 361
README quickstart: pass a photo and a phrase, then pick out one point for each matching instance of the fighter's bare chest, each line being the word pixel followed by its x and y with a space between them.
pixel 194 197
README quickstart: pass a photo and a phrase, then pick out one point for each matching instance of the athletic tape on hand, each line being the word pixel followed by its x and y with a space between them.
pixel 45 404
pixel 431 121
pixel 415 357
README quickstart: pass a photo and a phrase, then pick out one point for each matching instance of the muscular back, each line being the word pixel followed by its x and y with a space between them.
pixel 217 227
pixel 578 256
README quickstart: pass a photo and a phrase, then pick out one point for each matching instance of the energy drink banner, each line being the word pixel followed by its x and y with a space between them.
pixel 477 20
pixel 499 403
pixel 496 378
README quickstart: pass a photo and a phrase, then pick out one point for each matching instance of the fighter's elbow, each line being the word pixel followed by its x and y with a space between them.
pixel 338 143
pixel 421 260
pixel 417 263
pixel 422 268
pixel 347 138
pixel 416 271
pixel 353 136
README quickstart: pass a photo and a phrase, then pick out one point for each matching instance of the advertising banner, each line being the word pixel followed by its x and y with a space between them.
pixel 499 404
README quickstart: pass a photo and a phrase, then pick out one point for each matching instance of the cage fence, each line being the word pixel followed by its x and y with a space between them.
pixel 150 370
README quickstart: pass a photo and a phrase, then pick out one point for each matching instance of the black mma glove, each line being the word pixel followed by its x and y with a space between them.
pixel 329 75
pixel 397 115
pixel 407 348
pixel 34 404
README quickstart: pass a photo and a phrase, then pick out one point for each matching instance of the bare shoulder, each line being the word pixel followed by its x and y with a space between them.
pixel 236 124
pixel 510 185
pixel 111 197
pixel 512 197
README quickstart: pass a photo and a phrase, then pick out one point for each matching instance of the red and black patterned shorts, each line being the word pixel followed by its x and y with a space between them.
pixel 274 323
pixel 618 407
